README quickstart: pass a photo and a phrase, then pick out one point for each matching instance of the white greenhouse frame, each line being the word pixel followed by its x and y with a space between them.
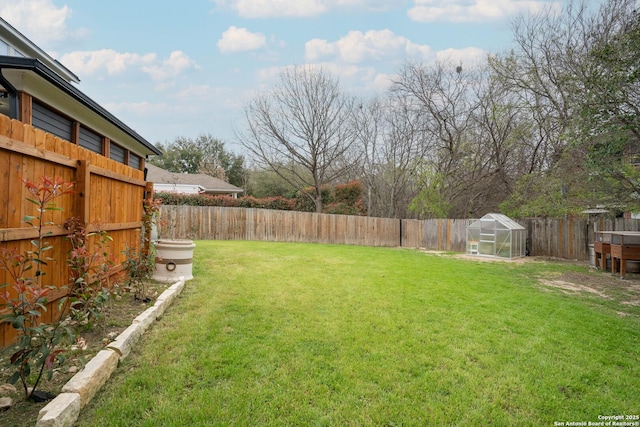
pixel 496 235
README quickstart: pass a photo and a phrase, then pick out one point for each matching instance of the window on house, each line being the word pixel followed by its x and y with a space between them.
pixel 7 49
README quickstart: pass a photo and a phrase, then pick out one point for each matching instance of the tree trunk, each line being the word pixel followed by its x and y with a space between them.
pixel 319 201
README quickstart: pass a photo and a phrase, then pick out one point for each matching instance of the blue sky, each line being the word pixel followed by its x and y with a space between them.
pixel 170 69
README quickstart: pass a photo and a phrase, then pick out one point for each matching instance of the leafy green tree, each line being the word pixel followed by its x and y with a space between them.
pixel 431 202
pixel 575 76
pixel 610 126
pixel 204 154
pixel 268 183
pixel 180 156
pixel 235 171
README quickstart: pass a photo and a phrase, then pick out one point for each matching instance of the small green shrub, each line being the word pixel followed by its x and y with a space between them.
pixel 89 272
pixel 39 344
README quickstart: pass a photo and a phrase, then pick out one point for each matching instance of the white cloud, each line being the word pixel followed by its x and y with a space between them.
pixel 357 47
pixel 142 109
pixel 171 67
pixel 475 10
pixel 270 76
pixel 240 40
pixel 316 49
pixel 194 92
pixel 382 82
pixel 301 8
pixel 98 61
pixel 40 20
pixel 467 56
pixel 273 8
pixel 353 78
pixel 369 5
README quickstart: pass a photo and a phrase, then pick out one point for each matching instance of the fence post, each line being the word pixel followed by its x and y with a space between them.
pixel 83 190
pixel 148 200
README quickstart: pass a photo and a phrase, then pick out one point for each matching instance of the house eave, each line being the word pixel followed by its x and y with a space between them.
pixel 29 49
pixel 40 70
pixel 221 190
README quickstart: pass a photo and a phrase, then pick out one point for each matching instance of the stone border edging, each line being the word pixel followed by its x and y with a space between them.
pixel 63 411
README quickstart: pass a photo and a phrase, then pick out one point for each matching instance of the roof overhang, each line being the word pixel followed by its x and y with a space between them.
pixel 222 191
pixel 595 211
pixel 178 188
pixel 29 49
pixel 35 78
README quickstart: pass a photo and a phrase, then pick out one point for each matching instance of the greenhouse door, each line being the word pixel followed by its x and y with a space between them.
pixel 487 237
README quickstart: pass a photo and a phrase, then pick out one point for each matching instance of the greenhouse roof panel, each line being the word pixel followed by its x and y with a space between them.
pixel 504 220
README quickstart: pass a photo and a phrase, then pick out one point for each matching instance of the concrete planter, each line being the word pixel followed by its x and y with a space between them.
pixel 174 258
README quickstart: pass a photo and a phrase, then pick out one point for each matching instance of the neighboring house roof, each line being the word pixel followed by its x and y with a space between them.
pixel 596 211
pixel 26 67
pixel 210 184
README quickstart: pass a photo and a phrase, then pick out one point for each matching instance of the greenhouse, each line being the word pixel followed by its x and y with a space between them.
pixel 496 235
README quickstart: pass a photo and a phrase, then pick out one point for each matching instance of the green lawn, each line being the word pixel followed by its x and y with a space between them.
pixel 307 334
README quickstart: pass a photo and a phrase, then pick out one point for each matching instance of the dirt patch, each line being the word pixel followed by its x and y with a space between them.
pixel 596 283
pixel 599 283
pixel 572 287
pixel 520 260
pixel 119 313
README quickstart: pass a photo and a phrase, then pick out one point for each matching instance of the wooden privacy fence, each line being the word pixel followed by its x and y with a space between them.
pixel 217 223
pixel 435 234
pixel 560 238
pixel 106 192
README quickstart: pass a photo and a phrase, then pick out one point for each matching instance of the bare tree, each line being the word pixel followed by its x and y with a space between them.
pixel 442 100
pixel 302 129
pixel 541 71
pixel 506 145
pixel 392 146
